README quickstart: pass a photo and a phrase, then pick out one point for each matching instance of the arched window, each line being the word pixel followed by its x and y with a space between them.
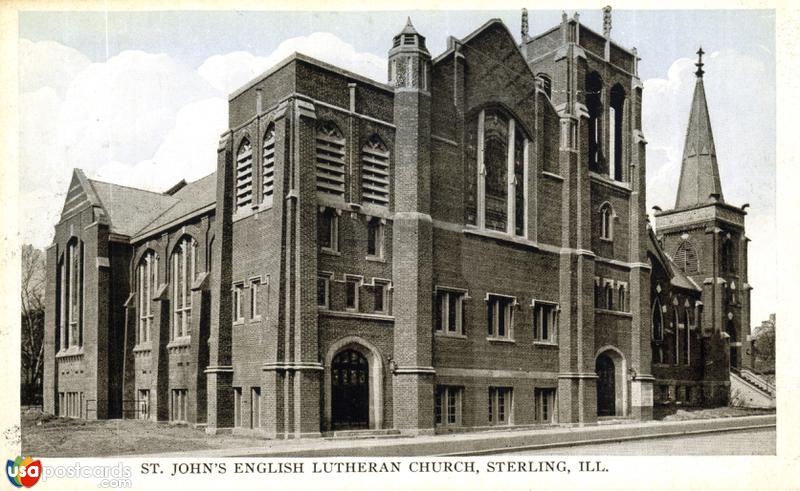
pixel 687 343
pixel 268 166
pixel 594 106
pixel 686 258
pixel 622 299
pixel 546 83
pixel 184 271
pixel 375 172
pixel 609 295
pixel 330 160
pixel 244 175
pixel 615 131
pixel 70 296
pixel 726 259
pixel 146 287
pixel 606 222
pixel 502 172
pixel 657 333
pixel 677 336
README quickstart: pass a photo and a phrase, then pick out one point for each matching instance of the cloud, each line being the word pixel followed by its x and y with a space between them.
pixel 138 119
pixel 737 87
pixel 230 71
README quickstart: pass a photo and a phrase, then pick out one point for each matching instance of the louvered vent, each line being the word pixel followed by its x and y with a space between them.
pixel 330 160
pixel 244 175
pixel 375 172
pixel 269 166
pixel 686 258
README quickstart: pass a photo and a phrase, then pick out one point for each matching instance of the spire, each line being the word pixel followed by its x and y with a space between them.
pixel 700 183
pixel 409 28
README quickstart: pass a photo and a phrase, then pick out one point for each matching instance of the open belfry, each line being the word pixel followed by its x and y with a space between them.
pixel 462 245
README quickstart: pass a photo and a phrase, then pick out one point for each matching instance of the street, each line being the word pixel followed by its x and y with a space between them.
pixel 760 441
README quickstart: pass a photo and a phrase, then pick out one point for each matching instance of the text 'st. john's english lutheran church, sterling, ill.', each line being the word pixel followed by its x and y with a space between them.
pixel 464 246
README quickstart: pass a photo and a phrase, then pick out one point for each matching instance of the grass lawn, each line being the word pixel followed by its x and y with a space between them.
pixel 48 436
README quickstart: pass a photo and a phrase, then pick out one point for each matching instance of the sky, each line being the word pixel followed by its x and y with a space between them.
pixel 140 98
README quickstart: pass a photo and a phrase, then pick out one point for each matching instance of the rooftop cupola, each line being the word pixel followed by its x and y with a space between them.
pixel 409 60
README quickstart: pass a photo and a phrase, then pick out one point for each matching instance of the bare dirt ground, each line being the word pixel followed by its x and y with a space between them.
pixel 717 412
pixel 45 435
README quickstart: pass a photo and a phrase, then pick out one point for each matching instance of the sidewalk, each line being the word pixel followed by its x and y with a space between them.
pixel 487 442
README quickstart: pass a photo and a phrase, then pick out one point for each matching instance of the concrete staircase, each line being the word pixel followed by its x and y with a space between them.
pixel 748 389
pixel 362 434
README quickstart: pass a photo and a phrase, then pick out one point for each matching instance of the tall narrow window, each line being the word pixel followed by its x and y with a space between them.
pixel 544 405
pixel 244 175
pixel 448 405
pixel 375 172
pixel 594 106
pixel 184 272
pixel 687 341
pixel 500 316
pixel 375 238
pixel 449 314
pixel 621 297
pixel 62 321
pixel 254 287
pixel 74 285
pixel 328 230
pixel 238 312
pixel 379 304
pixel 255 407
pixel 495 169
pixel 268 166
pixel 178 405
pixel 147 284
pixel 616 111
pixel 330 160
pixel 520 181
pixel 606 222
pixel 545 322
pixel 726 259
pixel 351 293
pixel 609 296
pixel 323 290
pixel 500 405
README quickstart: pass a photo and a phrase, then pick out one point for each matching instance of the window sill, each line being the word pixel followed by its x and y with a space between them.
pixel 546 344
pixel 553 175
pixel 501 236
pixel 71 351
pixel 142 347
pixel 607 239
pixel 613 312
pixel 239 322
pixel 375 259
pixel 255 319
pixel 180 342
pixel 330 252
pixel 603 179
pixel 492 339
pixel 453 335
pixel 356 315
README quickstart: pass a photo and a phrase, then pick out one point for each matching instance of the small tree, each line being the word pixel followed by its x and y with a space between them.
pixel 32 332
pixel 764 346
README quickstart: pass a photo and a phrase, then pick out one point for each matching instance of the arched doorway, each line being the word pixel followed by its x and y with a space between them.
pixel 349 390
pixel 612 382
pixel 606 390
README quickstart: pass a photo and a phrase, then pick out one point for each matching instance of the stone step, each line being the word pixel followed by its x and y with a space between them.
pixel 361 434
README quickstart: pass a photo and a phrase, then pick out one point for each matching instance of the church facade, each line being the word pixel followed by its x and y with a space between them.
pixel 464 246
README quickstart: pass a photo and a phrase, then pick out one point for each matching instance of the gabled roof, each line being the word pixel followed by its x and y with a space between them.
pixel 190 198
pixel 676 277
pixel 127 208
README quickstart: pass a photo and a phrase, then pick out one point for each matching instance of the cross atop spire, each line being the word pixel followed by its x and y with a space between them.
pixel 700 63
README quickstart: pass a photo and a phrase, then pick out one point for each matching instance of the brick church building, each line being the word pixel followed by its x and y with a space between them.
pixel 463 245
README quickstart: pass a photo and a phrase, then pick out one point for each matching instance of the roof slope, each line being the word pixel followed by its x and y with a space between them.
pixel 699 171
pixel 676 277
pixel 190 198
pixel 129 209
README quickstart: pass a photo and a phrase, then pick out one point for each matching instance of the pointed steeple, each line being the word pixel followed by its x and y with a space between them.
pixel 700 183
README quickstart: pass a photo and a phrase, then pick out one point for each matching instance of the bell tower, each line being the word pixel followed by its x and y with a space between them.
pixel 705 236
pixel 412 233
